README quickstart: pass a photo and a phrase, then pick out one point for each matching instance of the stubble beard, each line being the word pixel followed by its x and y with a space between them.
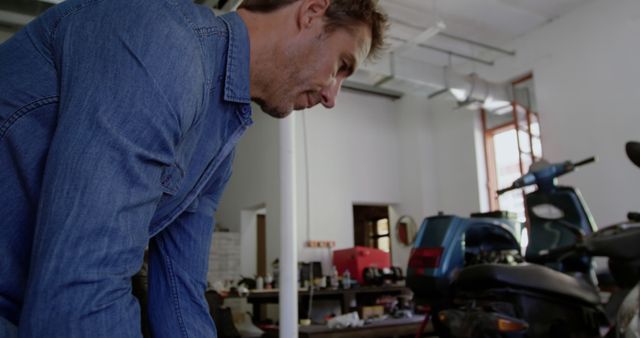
pixel 279 95
pixel 290 73
pixel 273 110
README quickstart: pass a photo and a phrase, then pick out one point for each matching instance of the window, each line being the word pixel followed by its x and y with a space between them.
pixel 382 237
pixel 512 144
pixel 371 227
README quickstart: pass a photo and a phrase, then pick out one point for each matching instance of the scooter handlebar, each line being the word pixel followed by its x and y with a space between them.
pixel 585 161
pixel 521 182
pixel 547 172
pixel 502 191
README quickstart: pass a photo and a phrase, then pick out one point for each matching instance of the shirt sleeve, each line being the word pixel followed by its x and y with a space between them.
pixel 123 108
pixel 178 264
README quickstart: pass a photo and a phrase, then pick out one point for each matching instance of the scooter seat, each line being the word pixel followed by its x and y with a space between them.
pixel 526 276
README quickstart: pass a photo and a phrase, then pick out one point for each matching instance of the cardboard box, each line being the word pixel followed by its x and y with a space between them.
pixel 358 258
pixel 371 311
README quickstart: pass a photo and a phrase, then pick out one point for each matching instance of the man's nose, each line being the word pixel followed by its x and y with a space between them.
pixel 330 92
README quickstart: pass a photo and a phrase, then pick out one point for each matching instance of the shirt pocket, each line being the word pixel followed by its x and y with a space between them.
pixel 171 178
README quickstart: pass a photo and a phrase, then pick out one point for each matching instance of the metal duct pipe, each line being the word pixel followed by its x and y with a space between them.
pixel 467 88
pixel 437 80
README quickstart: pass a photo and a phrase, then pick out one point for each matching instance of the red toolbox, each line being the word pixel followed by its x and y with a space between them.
pixel 359 257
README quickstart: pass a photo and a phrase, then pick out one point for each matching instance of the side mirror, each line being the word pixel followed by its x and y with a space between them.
pixel 406 230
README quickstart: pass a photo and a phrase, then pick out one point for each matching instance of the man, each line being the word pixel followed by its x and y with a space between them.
pixel 118 122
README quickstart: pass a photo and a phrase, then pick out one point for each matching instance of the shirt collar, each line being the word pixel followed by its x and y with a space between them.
pixel 236 82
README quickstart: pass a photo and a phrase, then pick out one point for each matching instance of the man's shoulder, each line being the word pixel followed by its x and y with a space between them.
pixel 157 36
pixel 166 21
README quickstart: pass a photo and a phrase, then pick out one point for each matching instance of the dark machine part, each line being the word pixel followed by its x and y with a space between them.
pixel 633 152
pixel 551 303
pixel 533 300
pixel 377 276
pixel 373 276
pixel 490 244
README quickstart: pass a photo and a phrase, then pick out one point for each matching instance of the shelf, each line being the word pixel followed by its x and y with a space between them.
pixel 383 328
pixel 346 297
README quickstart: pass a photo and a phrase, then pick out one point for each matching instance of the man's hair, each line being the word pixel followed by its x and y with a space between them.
pixel 340 14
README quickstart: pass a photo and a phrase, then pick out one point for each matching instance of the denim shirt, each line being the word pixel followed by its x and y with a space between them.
pixel 118 123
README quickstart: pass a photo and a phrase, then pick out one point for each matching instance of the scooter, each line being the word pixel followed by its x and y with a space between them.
pixel 558 215
pixel 446 244
pixel 534 300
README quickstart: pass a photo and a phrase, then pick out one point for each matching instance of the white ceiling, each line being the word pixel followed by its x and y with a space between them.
pixel 493 22
pixel 474 29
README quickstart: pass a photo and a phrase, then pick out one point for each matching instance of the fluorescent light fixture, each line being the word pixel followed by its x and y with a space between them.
pixel 497 107
pixel 506 109
pixel 55 2
pixel 461 95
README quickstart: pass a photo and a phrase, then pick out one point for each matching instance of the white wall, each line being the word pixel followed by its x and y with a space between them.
pixel 586 78
pixel 353 157
pixel 456 158
pixel 367 150
pixel 417 167
pixel 416 155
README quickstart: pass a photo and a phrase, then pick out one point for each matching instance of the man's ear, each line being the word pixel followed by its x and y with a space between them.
pixel 310 11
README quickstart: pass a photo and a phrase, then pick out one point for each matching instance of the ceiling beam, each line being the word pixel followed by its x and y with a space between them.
pixel 455 37
pixel 447 51
pixel 479 44
pixel 369 89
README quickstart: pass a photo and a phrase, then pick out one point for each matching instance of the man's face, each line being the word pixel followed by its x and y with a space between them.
pixel 313 67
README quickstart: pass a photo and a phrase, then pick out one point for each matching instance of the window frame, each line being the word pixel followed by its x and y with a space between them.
pixel 514 123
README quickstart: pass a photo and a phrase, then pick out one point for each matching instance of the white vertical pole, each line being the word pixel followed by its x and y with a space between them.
pixel 288 268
